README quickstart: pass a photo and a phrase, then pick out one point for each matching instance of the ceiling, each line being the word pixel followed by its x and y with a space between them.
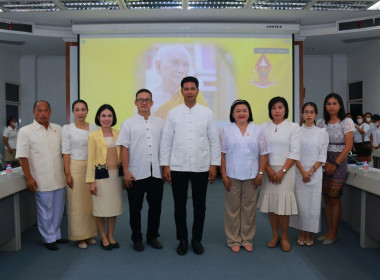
pixel 317 28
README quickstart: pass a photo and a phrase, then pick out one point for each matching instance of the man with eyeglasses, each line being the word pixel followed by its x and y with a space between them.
pixel 139 139
pixel 190 151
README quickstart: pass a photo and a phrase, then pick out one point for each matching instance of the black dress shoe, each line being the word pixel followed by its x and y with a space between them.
pixel 62 241
pixel 197 247
pixel 52 246
pixel 155 243
pixel 115 245
pixel 107 248
pixel 138 246
pixel 182 247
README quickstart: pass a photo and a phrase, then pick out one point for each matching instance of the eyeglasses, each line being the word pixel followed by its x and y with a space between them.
pixel 142 100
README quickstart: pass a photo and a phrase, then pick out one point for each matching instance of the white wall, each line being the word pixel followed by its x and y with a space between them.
pixel 9 73
pixel 28 79
pixel 324 74
pixel 43 78
pixel 51 86
pixel 364 65
pixel 317 79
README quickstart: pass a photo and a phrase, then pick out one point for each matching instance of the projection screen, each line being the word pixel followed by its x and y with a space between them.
pixel 255 68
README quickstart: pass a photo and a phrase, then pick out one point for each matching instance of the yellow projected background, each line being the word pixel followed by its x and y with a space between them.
pixel 255 69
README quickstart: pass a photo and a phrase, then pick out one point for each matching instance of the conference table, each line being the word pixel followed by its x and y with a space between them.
pixel 361 204
pixel 17 209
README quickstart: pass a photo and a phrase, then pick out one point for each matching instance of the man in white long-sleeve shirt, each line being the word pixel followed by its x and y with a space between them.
pixel 190 150
pixel 139 139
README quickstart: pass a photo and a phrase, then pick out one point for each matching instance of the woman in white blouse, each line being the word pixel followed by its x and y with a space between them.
pixel 308 189
pixel 277 196
pixel 82 225
pixel 244 157
pixel 362 143
pixel 340 130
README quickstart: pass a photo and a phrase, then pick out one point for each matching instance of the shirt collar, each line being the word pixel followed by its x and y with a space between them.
pixel 142 117
pixel 39 126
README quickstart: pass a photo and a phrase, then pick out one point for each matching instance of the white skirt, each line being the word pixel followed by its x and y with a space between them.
pixel 279 199
pixel 109 199
pixel 308 202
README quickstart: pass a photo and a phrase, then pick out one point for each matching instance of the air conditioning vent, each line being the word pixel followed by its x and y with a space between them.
pixel 16 26
pixel 359 24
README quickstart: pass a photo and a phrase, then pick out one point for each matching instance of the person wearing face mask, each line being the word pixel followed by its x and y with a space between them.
pixel 362 142
pixel 375 140
pixel 368 119
pixel 10 141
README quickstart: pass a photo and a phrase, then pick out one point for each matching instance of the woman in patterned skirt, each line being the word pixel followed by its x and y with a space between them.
pixel 340 130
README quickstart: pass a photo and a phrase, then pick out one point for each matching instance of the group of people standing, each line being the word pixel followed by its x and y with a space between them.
pixel 285 159
pixel 366 136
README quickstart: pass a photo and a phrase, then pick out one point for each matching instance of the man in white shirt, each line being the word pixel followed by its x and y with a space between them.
pixel 140 138
pixel 39 151
pixel 190 150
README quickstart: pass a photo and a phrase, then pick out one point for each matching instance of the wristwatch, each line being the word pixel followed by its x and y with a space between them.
pixel 261 172
pixel 335 163
pixel 284 170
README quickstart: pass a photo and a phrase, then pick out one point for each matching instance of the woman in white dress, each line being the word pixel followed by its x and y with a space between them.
pixel 340 130
pixel 277 195
pixel 362 142
pixel 81 222
pixel 244 157
pixel 104 173
pixel 308 189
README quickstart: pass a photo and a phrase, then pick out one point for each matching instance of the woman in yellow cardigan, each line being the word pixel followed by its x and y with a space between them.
pixel 104 173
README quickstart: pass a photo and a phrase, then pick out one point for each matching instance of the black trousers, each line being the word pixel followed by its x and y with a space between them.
pixel 199 182
pixel 153 187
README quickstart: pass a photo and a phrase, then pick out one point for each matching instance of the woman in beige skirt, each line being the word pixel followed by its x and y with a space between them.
pixel 277 195
pixel 104 173
pixel 82 226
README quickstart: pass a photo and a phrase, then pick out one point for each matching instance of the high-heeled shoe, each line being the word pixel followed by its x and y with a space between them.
pixel 115 245
pixel 301 242
pixel 91 241
pixel 322 238
pixel 107 248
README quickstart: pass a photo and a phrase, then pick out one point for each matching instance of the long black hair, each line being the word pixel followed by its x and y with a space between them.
pixel 341 113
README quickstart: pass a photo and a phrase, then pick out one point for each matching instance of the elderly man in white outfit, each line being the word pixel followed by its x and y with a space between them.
pixel 39 151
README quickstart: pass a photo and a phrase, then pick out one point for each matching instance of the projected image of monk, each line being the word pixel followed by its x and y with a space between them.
pixel 172 63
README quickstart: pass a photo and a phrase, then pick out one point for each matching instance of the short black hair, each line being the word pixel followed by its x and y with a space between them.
pixel 239 102
pixel 144 90
pixel 101 109
pixel 376 117
pixel 190 79
pixel 35 104
pixel 79 101
pixel 341 113
pixel 368 113
pixel 275 100
pixel 9 119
